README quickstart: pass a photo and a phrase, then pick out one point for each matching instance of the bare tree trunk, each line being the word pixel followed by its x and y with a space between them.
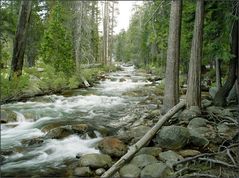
pixel 145 139
pixel 221 95
pixel 20 39
pixel 218 73
pixel 193 96
pixel 171 90
pixel 106 32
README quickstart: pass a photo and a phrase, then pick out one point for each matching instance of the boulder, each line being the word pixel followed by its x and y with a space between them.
pixel 201 132
pixel 170 157
pixel 59 132
pixel 95 160
pixel 122 79
pixel 8 116
pixel 32 141
pixel 112 146
pixel 172 137
pixel 83 172
pixel 154 151
pixel 156 170
pixel 138 132
pixel 142 160
pixel 99 171
pixel 129 170
pixel 189 153
pixel 188 114
pixel 213 91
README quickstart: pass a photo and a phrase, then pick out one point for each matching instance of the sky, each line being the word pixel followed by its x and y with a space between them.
pixel 125 8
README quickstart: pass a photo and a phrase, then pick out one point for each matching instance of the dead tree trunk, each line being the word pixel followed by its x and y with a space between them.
pixel 193 96
pixel 171 91
pixel 20 40
pixel 146 138
pixel 221 95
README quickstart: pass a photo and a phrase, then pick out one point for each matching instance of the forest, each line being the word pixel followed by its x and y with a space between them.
pixel 157 99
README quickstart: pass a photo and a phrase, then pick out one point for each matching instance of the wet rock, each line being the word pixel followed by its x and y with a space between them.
pixel 8 116
pixel 173 137
pixel 2 159
pixel 83 172
pixel 154 151
pixel 156 170
pixel 80 128
pixel 59 133
pixel 6 152
pixel 170 157
pixel 95 160
pixel 113 79
pixel 142 160
pixel 122 79
pixel 112 146
pixel 129 170
pixel 99 171
pixel 189 153
pixel 32 141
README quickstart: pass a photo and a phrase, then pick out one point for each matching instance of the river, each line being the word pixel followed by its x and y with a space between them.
pixel 103 105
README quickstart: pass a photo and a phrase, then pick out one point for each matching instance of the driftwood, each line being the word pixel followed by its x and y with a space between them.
pixel 86 83
pixel 147 137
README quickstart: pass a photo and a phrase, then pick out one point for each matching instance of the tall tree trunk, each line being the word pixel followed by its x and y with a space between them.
pixel 221 95
pixel 193 96
pixel 106 32
pixel 218 73
pixel 171 90
pixel 237 84
pixel 20 39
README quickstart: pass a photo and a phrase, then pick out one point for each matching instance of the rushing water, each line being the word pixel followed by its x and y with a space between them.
pixel 103 105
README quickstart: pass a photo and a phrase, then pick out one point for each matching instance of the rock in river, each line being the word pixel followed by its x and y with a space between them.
pixel 112 146
pixel 95 160
pixel 173 137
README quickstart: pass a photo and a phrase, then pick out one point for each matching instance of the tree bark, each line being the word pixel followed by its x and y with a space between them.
pixel 218 73
pixel 171 90
pixel 20 39
pixel 221 95
pixel 147 137
pixel 193 96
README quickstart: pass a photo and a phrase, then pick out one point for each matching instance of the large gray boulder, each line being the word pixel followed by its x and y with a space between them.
pixel 95 160
pixel 173 137
pixel 156 170
pixel 142 160
pixel 129 170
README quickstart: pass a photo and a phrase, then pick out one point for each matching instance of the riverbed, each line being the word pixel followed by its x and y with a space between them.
pixel 103 106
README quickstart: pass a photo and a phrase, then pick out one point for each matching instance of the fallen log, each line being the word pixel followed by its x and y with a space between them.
pixel 147 137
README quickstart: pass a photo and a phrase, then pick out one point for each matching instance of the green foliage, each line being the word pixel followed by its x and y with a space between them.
pixel 13 87
pixel 56 48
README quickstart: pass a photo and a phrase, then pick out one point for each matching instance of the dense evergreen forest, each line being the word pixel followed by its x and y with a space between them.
pixel 159 99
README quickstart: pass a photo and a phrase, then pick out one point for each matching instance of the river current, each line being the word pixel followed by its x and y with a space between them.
pixel 103 105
